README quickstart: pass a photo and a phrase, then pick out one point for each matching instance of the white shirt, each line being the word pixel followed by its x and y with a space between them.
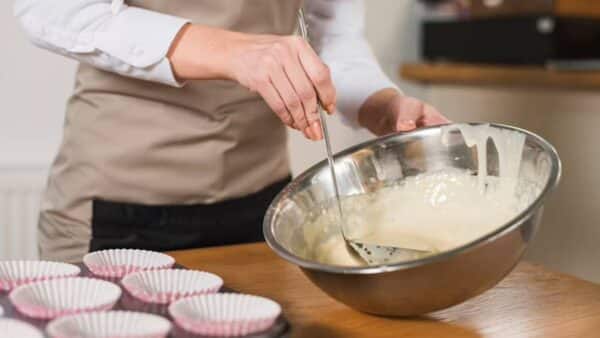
pixel 134 42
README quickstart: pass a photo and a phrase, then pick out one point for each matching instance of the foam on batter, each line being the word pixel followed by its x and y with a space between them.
pixel 435 211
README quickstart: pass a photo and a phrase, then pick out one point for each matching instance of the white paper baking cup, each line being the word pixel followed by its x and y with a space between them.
pixel 59 297
pixel 120 262
pixel 1 311
pixel 17 273
pixel 130 302
pixel 12 328
pixel 168 285
pixel 225 314
pixel 110 324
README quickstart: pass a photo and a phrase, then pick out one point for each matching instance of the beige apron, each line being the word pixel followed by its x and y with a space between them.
pixel 134 141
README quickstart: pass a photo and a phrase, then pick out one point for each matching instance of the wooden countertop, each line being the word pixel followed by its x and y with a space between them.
pixel 530 302
pixel 473 74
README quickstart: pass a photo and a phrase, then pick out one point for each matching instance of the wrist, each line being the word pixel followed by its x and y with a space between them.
pixel 375 113
pixel 201 53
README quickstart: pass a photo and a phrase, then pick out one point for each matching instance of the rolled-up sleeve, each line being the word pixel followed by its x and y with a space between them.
pixel 129 41
pixel 336 30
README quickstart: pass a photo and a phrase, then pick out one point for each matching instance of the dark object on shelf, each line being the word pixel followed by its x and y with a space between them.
pixel 527 40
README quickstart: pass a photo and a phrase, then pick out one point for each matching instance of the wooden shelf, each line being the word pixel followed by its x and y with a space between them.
pixel 581 8
pixel 473 74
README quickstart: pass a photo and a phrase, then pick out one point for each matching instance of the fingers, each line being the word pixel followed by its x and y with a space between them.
pixel 409 112
pixel 271 96
pixel 303 87
pixel 298 91
pixel 308 133
pixel 412 113
pixel 292 79
pixel 307 95
pixel 291 99
pixel 319 75
pixel 315 127
pixel 432 117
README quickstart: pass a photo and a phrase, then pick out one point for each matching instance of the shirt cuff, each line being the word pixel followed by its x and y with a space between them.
pixel 142 39
pixel 160 72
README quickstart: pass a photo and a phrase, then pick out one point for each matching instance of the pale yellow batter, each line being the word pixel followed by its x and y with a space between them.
pixel 435 211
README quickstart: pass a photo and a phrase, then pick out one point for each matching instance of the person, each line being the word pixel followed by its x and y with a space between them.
pixel 174 135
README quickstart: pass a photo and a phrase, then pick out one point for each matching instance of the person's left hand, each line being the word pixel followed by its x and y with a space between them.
pixel 388 111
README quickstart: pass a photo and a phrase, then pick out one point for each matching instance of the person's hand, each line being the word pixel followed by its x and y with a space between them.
pixel 289 75
pixel 284 70
pixel 388 111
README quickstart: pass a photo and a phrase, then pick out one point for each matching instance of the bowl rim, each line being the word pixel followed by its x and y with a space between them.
pixel 515 222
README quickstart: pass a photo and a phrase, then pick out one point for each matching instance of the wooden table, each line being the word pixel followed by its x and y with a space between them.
pixel 530 302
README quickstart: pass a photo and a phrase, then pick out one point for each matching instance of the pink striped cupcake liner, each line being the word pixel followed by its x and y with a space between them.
pixel 60 297
pixel 17 329
pixel 116 263
pixel 225 314
pixel 110 324
pixel 130 302
pixel 16 273
pixel 168 285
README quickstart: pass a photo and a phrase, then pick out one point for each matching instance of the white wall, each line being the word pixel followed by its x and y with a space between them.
pixel 34 85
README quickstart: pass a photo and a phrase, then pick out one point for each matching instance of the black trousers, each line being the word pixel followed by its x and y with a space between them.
pixel 174 227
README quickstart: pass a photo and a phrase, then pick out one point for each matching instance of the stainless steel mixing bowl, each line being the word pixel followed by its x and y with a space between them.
pixel 424 285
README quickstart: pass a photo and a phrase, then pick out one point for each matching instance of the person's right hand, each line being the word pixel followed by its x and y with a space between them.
pixel 284 70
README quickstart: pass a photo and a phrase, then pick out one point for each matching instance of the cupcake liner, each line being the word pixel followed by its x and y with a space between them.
pixel 1 311
pixel 225 314
pixel 59 297
pixel 120 262
pixel 110 324
pixel 129 302
pixel 17 273
pixel 12 328
pixel 168 285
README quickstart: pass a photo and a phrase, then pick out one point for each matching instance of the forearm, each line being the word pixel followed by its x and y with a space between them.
pixel 133 42
pixel 284 70
pixel 203 53
pixel 119 42
pixel 148 45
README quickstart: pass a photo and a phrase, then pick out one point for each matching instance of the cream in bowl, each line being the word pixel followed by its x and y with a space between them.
pixel 432 212
pixel 473 203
